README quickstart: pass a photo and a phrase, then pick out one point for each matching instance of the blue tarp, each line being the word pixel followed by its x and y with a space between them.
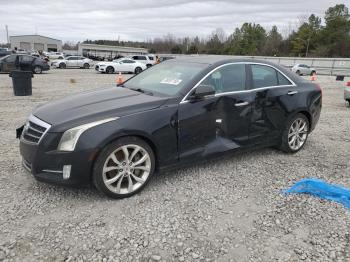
pixel 321 189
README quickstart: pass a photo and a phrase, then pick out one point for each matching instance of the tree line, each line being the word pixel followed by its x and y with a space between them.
pixel 312 38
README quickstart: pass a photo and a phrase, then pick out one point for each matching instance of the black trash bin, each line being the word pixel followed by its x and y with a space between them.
pixel 22 82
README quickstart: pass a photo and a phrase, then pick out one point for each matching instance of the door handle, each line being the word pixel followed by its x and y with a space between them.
pixel 292 93
pixel 242 104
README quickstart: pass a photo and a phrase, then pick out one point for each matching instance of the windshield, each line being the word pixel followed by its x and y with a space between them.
pixel 165 78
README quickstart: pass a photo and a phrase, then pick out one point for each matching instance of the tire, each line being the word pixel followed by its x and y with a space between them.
pixel 62 66
pixel 138 70
pixel 349 102
pixel 109 70
pixel 313 73
pixel 86 66
pixel 115 182
pixel 37 70
pixel 148 65
pixel 298 72
pixel 287 144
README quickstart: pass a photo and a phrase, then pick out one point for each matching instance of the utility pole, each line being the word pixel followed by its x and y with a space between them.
pixel 7 34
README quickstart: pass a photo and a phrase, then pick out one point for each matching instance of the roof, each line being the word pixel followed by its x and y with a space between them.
pixel 36 35
pixel 213 59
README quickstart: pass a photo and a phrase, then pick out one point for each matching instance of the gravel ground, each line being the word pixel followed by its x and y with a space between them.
pixel 230 209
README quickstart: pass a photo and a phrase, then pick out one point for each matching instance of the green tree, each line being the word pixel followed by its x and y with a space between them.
pixel 176 50
pixel 336 33
pixel 248 40
pixel 273 42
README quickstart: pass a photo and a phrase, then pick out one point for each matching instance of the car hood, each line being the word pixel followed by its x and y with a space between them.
pixel 92 106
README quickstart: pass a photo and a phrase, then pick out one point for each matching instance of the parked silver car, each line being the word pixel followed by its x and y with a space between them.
pixel 347 92
pixel 302 69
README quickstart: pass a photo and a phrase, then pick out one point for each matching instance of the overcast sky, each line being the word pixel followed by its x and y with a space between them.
pixel 77 20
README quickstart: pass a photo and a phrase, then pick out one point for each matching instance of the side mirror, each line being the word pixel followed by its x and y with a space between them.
pixel 202 91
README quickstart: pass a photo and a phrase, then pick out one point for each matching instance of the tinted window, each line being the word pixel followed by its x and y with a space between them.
pixel 26 59
pixel 128 61
pixel 150 57
pixel 140 57
pixel 11 59
pixel 282 80
pixel 264 76
pixel 72 58
pixel 227 78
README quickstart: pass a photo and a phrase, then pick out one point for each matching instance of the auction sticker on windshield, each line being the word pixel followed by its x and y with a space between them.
pixel 171 81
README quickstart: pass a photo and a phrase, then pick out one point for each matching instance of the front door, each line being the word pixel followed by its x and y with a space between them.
pixel 220 122
pixel 9 63
pixel 72 61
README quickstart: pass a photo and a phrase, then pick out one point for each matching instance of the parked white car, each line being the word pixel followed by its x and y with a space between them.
pixel 148 60
pixel 123 65
pixel 72 61
pixel 55 55
pixel 302 69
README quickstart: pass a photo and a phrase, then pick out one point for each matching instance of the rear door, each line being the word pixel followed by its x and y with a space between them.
pixel 275 96
pixel 219 122
pixel 26 62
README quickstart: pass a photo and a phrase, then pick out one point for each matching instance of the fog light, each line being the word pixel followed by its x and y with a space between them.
pixel 66 171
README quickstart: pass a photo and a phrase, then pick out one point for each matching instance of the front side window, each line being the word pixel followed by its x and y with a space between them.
pixel 11 59
pixel 228 78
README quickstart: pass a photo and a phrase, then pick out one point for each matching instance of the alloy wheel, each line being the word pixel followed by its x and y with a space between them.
pixel 126 169
pixel 37 70
pixel 297 134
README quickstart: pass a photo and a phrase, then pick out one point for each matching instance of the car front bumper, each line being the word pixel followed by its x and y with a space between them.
pixel 100 69
pixel 347 93
pixel 46 163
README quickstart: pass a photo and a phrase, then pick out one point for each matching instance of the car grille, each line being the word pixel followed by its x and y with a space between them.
pixel 34 130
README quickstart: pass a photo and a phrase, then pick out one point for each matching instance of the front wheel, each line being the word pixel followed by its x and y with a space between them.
pixel 62 66
pixel 37 70
pixel 86 66
pixel 124 167
pixel 109 70
pixel 298 72
pixel 138 70
pixel 295 134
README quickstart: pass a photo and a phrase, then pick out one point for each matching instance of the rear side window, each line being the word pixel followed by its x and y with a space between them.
pixel 27 59
pixel 264 76
pixel 282 80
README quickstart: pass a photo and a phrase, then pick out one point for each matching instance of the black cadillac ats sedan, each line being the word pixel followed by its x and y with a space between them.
pixel 178 112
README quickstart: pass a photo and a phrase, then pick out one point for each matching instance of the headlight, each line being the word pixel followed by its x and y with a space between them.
pixel 70 138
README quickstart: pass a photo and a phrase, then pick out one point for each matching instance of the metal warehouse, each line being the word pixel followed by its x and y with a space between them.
pixel 109 51
pixel 35 43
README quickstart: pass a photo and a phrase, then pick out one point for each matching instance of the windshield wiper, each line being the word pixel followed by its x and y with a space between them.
pixel 142 91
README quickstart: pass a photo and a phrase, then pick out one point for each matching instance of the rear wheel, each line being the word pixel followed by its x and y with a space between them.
pixel 110 70
pixel 86 66
pixel 37 70
pixel 295 134
pixel 138 70
pixel 313 73
pixel 62 66
pixel 124 167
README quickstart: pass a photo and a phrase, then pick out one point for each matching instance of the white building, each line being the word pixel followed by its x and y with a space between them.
pixel 35 43
pixel 109 50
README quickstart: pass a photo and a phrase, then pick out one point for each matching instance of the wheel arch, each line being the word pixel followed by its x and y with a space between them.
pixel 112 139
pixel 308 116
